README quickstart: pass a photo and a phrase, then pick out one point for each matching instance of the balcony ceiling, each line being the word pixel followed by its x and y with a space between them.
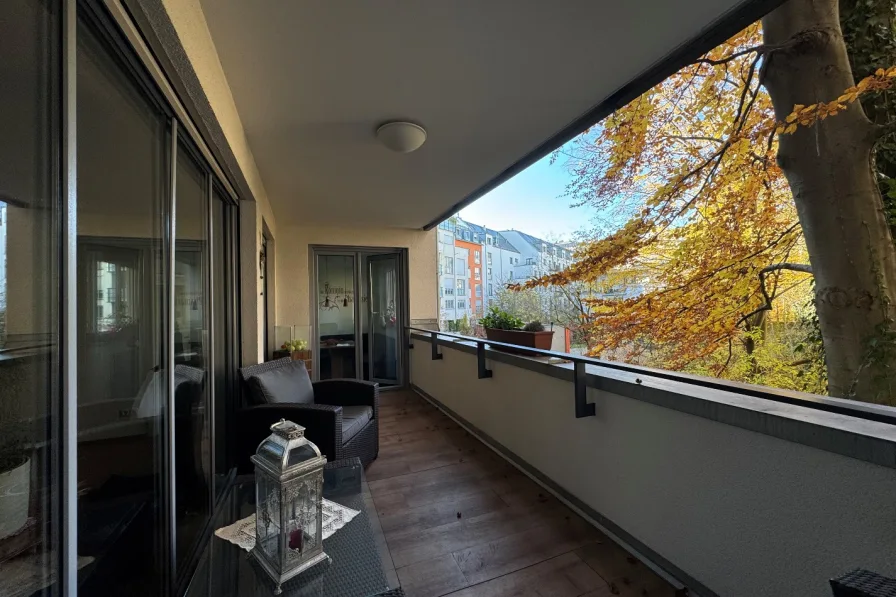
pixel 490 81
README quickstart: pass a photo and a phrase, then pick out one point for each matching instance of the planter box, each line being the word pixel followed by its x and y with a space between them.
pixel 540 340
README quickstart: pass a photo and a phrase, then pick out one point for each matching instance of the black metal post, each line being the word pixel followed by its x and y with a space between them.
pixel 436 355
pixel 583 409
pixel 480 358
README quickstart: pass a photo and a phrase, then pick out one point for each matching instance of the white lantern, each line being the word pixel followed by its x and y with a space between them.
pixel 288 491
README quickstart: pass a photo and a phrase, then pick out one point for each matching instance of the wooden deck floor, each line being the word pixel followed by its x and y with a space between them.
pixel 458 520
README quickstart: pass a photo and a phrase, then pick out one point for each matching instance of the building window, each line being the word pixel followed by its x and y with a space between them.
pixel 461 288
pixel 489 272
pixel 479 290
pixel 461 304
pixel 449 265
pixel 476 273
pixel 488 258
pixel 516 260
pixel 449 304
pixel 99 294
pixel 111 295
pixel 476 257
pixel 461 268
pixel 511 275
pixel 449 291
pixel 511 260
pixel 491 290
pixel 110 267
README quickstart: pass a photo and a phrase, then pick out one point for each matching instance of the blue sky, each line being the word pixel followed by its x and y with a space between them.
pixel 532 202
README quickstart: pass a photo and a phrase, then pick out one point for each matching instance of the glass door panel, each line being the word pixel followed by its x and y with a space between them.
pixel 192 412
pixel 30 249
pixel 336 310
pixel 224 342
pixel 123 168
pixel 383 318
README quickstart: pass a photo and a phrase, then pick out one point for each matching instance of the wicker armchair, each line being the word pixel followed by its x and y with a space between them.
pixel 337 420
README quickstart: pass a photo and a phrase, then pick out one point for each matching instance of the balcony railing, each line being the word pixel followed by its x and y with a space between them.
pixel 728 488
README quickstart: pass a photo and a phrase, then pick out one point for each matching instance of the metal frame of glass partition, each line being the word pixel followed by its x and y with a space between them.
pixel 358 253
pixel 64 409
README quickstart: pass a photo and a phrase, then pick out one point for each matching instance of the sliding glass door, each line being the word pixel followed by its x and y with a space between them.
pixel 337 342
pixel 384 327
pixel 155 242
pixel 192 411
pixel 113 242
pixel 122 285
pixel 31 216
pixel 359 310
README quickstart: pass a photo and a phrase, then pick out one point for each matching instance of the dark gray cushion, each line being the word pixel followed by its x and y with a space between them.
pixel 289 384
pixel 353 420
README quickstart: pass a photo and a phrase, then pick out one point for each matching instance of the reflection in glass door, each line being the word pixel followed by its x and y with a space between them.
pixel 336 333
pixel 383 318
pixel 192 423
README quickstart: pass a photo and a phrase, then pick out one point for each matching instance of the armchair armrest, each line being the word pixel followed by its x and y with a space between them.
pixel 322 423
pixel 348 392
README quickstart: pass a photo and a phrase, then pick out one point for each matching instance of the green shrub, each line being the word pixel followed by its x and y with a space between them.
pixel 500 320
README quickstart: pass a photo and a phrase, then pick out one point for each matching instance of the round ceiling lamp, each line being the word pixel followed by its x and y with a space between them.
pixel 403 137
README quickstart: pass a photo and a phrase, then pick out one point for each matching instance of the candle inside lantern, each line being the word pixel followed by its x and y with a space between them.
pixel 296 539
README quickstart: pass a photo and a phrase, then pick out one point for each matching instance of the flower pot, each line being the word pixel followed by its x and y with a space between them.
pixel 15 495
pixel 541 340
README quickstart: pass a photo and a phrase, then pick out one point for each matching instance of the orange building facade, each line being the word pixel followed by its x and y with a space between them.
pixel 474 278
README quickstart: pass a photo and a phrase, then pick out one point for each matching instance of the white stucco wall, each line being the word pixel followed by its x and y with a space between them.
pixel 744 513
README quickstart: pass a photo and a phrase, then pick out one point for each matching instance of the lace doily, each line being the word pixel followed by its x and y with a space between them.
pixel 242 532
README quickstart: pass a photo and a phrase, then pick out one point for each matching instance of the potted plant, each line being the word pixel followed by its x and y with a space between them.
pixel 298 350
pixel 501 326
pixel 15 479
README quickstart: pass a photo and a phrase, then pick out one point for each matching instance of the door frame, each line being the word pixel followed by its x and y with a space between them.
pixel 359 252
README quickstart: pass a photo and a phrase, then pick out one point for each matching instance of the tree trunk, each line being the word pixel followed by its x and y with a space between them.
pixel 829 168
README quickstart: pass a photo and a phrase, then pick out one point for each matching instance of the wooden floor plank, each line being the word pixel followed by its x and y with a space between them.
pixel 562 576
pixel 624 573
pixel 434 515
pixel 474 470
pixel 521 550
pixel 414 545
pixel 430 578
pixel 512 538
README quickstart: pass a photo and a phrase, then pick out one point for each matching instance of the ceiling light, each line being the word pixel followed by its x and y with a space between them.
pixel 403 137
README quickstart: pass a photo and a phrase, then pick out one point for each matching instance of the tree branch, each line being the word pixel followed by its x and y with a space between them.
pixel 763 49
pixel 797 267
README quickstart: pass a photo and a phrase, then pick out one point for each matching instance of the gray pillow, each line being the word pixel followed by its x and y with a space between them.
pixel 288 384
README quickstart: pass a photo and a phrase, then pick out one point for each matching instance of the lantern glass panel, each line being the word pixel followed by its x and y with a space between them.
pixel 303 516
pixel 267 521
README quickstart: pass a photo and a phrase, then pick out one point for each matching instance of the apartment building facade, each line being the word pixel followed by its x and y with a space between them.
pixel 476 261
pixel 537 257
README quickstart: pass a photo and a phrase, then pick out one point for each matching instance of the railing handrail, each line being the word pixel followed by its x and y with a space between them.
pixel 861 410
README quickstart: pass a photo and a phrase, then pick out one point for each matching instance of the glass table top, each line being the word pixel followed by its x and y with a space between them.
pixel 356 566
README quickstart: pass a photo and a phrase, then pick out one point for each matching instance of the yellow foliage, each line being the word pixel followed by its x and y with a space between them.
pixel 689 168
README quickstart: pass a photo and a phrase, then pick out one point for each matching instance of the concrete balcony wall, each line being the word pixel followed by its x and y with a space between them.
pixel 736 511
